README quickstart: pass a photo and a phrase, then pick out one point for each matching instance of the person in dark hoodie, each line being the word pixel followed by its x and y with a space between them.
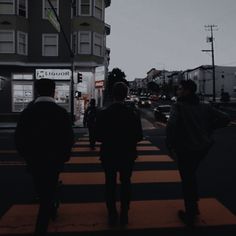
pixel 90 121
pixel 189 138
pixel 119 129
pixel 44 137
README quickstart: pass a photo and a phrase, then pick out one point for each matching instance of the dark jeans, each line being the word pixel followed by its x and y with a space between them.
pixel 125 172
pixel 45 183
pixel 188 163
pixel 92 139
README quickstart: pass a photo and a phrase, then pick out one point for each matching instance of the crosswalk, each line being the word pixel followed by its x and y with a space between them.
pixel 154 206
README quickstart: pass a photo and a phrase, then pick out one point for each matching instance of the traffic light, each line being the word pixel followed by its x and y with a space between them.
pixel 78 94
pixel 79 77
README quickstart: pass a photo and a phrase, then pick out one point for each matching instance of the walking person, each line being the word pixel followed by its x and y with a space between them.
pixel 90 121
pixel 44 138
pixel 189 139
pixel 119 129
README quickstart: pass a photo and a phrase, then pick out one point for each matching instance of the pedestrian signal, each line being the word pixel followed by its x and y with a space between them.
pixel 78 94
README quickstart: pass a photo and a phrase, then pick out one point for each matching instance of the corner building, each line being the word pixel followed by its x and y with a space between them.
pixel 32 48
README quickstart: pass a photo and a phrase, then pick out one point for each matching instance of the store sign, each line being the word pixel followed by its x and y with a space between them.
pixel 99 84
pixel 54 74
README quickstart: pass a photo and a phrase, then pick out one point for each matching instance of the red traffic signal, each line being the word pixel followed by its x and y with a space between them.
pixel 80 78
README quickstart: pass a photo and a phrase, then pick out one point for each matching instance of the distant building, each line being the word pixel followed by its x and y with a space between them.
pixel 31 47
pixel 175 77
pixel 225 80
pixel 138 83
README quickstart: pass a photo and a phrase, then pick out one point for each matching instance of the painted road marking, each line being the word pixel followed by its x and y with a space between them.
pixel 97 149
pixel 152 176
pixel 141 158
pixel 95 160
pixel 92 217
pixel 80 143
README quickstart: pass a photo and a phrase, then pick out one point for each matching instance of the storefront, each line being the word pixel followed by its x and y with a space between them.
pixel 17 88
pixel 62 79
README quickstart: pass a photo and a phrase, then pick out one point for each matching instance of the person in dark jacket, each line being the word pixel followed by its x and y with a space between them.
pixel 44 138
pixel 189 138
pixel 89 121
pixel 119 129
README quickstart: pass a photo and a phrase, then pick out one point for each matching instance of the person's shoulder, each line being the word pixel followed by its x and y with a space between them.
pixel 206 106
pixel 102 111
pixel 60 109
pixel 29 109
pixel 176 105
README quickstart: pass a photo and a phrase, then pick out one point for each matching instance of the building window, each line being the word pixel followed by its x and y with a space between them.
pixel 7 41
pixel 98 9
pixel 22 47
pixel 74 42
pixel 84 42
pixel 22 77
pixel 62 93
pixel 7 7
pixel 2 82
pixel 97 44
pixel 22 8
pixel 74 5
pixel 85 7
pixel 47 8
pixel 50 45
pixel 22 95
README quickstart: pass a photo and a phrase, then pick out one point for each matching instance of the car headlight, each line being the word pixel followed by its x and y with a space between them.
pixel 142 103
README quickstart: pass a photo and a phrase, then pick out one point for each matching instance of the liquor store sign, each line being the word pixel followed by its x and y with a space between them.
pixel 53 74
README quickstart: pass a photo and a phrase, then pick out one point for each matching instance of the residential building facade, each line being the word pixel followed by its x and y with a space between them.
pixel 32 47
pixel 225 80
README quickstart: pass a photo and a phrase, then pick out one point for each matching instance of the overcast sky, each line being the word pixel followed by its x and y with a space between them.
pixel 169 34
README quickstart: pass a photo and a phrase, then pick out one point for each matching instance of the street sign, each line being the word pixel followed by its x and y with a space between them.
pixel 53 20
pixel 54 74
pixel 99 84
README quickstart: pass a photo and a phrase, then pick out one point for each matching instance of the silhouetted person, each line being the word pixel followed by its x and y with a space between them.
pixel 189 130
pixel 119 129
pixel 44 138
pixel 90 121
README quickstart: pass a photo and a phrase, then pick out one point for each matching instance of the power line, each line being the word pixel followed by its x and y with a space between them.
pixel 71 55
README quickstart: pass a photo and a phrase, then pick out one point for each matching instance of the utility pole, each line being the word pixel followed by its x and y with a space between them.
pixel 210 39
pixel 72 59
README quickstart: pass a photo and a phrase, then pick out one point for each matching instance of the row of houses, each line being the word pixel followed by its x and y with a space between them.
pixel 33 45
pixel 225 79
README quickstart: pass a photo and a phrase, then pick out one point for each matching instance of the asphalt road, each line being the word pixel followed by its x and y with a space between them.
pixel 216 174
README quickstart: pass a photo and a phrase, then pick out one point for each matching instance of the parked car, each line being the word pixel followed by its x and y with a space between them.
pixel 153 97
pixel 225 97
pixel 134 98
pixel 144 102
pixel 162 112
pixel 130 103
